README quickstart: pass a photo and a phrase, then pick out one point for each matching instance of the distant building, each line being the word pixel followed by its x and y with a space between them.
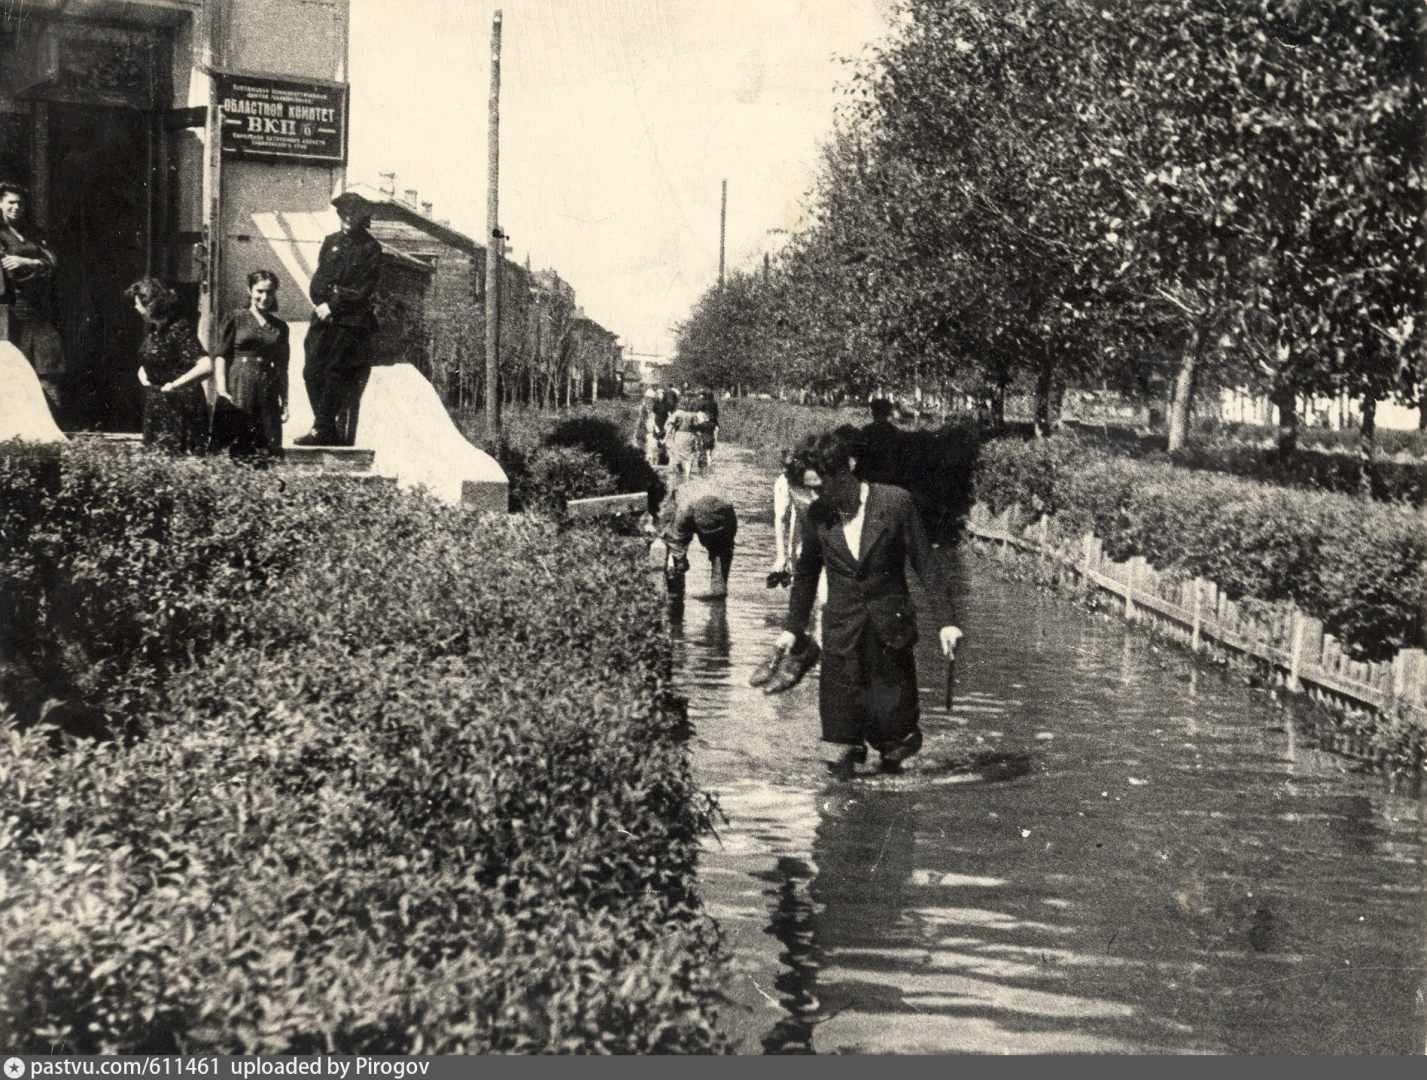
pixel 538 312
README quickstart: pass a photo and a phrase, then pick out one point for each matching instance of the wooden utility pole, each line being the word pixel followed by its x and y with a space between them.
pixel 722 224
pixel 495 244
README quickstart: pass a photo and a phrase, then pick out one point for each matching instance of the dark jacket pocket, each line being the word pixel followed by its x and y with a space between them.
pixel 894 621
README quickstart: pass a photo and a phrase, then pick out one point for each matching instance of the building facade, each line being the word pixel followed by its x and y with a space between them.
pixel 170 137
pixel 551 352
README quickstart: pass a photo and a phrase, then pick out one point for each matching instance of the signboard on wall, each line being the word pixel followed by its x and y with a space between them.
pixel 283 120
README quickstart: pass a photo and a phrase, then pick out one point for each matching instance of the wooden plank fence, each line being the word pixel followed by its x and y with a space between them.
pixel 1197 612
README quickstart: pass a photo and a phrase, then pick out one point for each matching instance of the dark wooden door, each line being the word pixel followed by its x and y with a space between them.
pixel 99 209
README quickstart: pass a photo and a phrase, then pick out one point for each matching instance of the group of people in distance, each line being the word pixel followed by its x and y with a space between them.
pixel 248 364
pixel 679 432
pixel 845 540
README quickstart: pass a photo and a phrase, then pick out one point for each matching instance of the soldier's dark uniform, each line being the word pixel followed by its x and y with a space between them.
pixel 337 364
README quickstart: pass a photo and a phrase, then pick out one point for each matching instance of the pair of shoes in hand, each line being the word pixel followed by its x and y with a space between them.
pixel 784 669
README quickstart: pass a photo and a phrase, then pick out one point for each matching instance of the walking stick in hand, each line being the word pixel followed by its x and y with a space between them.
pixel 950 678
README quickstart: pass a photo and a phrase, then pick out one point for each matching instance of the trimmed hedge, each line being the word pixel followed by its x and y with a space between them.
pixel 1325 461
pixel 553 457
pixel 1389 480
pixel 421 786
pixel 1359 566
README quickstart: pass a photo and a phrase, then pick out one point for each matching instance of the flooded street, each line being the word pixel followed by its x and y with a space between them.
pixel 1098 850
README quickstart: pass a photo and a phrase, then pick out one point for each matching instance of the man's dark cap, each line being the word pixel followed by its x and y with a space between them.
pixel 350 204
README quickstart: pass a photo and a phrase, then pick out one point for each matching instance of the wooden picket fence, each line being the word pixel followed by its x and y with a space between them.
pixel 1198 613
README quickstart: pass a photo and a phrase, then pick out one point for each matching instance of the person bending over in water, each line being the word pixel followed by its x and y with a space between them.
pixel 695 508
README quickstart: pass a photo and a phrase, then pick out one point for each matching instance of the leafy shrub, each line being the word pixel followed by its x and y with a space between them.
pixel 429 795
pixel 1325 460
pixel 544 481
pixel 1389 480
pixel 1388 441
pixel 554 475
pixel 611 444
pixel 105 565
pixel 1011 472
pixel 1360 567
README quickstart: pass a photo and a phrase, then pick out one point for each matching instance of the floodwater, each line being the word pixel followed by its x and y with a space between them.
pixel 1099 849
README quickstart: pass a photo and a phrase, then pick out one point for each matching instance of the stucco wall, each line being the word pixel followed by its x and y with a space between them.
pixel 301 39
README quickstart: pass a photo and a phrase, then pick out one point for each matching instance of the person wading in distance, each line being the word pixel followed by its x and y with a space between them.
pixel 864 535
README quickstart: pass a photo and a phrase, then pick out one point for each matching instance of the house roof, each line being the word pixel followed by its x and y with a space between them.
pixel 387 207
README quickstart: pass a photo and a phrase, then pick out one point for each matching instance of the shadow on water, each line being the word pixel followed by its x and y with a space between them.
pixel 1101 848
pixel 791 923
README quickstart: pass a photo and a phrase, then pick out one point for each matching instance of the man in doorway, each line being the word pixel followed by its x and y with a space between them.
pixel 337 364
pixel 28 269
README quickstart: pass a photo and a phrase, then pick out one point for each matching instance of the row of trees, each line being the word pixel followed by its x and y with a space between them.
pixel 1167 195
pixel 551 353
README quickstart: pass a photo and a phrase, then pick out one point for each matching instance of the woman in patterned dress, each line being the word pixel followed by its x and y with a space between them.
pixel 251 369
pixel 172 365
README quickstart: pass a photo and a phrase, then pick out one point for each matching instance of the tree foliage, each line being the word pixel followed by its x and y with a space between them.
pixel 1163 194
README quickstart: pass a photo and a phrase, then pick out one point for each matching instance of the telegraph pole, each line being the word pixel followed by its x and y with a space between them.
pixel 722 224
pixel 495 244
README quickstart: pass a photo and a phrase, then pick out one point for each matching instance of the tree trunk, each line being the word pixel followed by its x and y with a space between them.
pixel 1183 395
pixel 1287 402
pixel 1366 436
pixel 1049 394
pixel 1045 378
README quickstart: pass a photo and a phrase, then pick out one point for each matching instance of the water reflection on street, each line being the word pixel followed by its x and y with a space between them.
pixel 1098 850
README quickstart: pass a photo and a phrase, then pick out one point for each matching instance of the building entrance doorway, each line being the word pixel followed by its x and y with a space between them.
pixel 99 227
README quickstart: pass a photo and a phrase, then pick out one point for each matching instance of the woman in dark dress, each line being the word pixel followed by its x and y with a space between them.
pixel 172 365
pixel 251 371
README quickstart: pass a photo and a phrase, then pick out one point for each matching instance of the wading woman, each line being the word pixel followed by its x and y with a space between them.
pixel 251 371
pixel 864 535
pixel 172 365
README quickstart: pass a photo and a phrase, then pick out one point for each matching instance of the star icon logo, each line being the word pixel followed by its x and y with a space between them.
pixel 14 1068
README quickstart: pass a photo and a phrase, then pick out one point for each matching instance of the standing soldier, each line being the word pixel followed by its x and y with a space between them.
pixel 337 364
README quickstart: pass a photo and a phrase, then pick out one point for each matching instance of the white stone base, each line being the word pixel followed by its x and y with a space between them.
pixel 24 412
pixel 403 421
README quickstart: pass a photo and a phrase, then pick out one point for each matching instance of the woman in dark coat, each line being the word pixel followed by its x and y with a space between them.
pixel 172 365
pixel 251 372
pixel 864 535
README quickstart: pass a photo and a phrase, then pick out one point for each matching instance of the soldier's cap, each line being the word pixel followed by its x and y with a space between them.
pixel 350 204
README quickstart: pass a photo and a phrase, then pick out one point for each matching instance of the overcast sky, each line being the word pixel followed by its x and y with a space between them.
pixel 619 118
